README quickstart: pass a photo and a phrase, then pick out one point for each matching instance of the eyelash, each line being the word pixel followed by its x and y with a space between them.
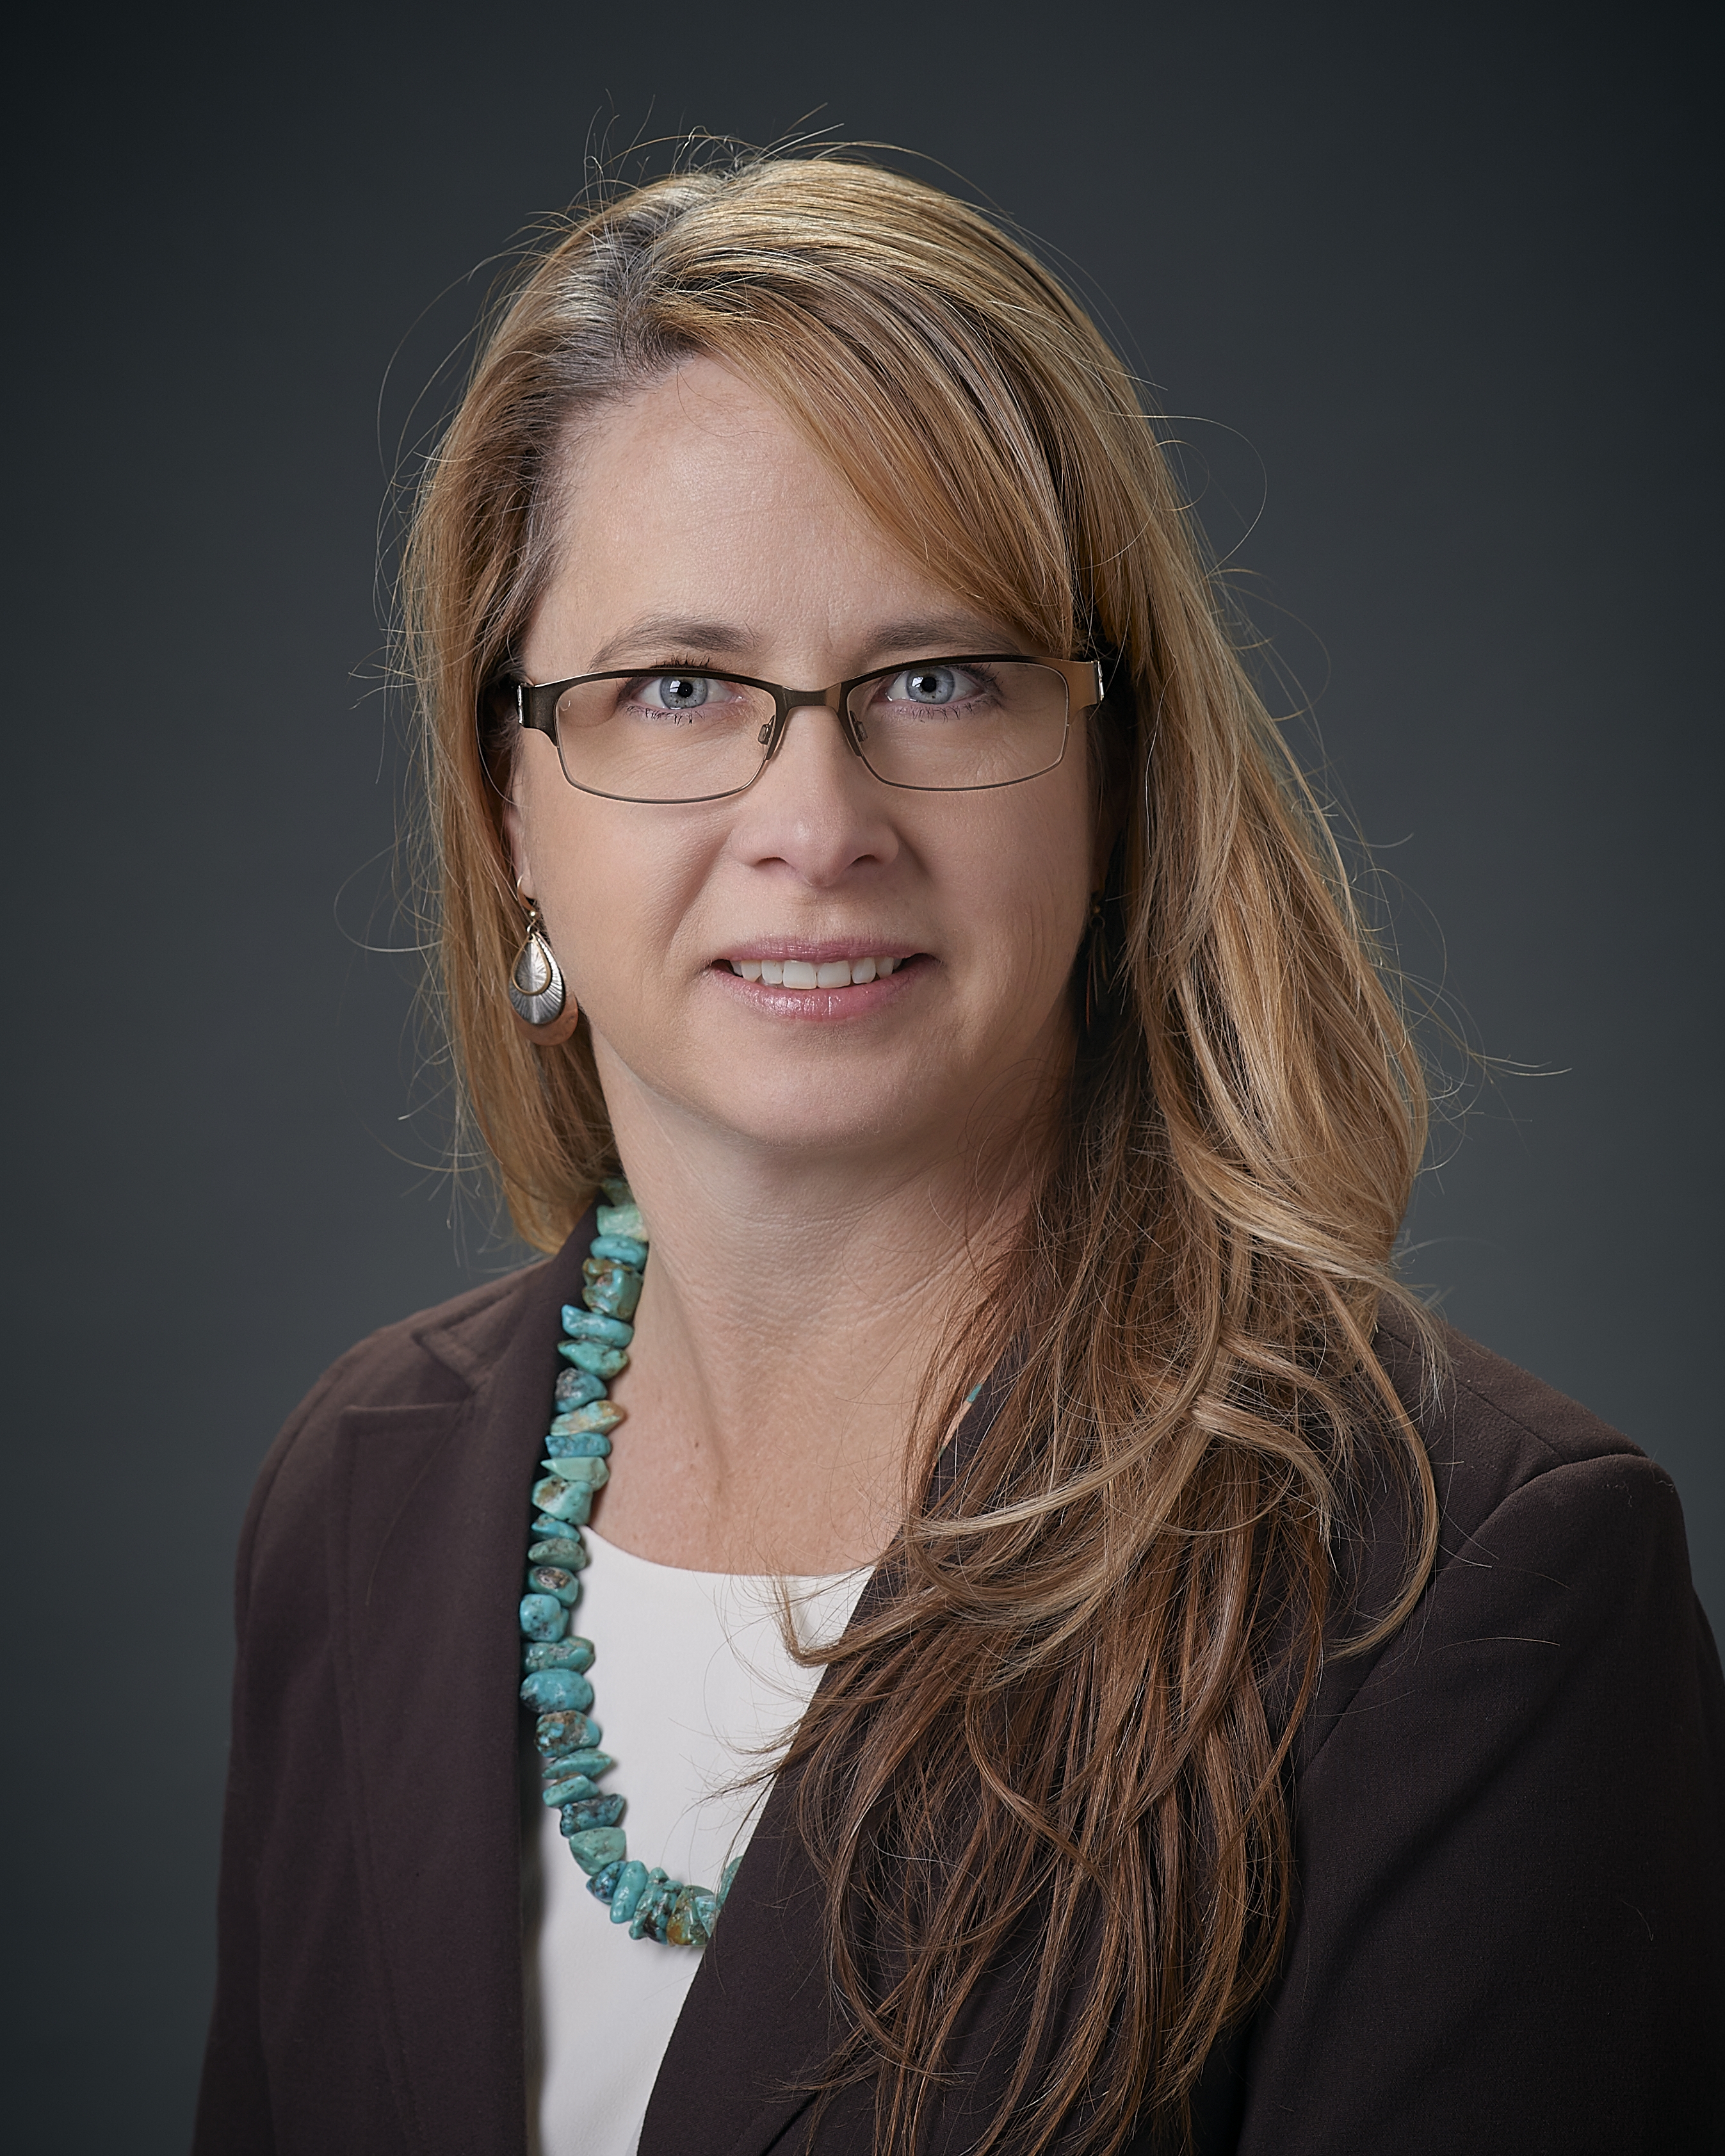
pixel 683 663
pixel 679 665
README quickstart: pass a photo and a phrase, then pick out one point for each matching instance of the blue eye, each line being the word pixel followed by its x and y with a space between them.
pixel 677 692
pixel 925 684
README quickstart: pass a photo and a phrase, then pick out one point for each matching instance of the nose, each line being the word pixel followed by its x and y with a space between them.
pixel 816 810
pixel 812 700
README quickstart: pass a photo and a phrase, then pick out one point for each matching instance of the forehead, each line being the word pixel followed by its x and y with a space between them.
pixel 699 498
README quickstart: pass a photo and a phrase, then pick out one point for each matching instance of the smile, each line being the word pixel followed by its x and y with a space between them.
pixel 800 973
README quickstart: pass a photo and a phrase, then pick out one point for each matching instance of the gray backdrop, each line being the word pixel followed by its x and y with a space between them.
pixel 1432 288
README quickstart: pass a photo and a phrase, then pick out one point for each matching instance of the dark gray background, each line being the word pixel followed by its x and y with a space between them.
pixel 1434 287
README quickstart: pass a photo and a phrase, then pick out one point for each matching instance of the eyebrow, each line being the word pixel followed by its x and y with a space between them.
pixel 658 635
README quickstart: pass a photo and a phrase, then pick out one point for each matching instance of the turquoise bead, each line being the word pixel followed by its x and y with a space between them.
pixel 603 1362
pixel 573 1653
pixel 653 1910
pixel 595 1414
pixel 552 1579
pixel 548 1691
pixel 612 1291
pixel 568 1550
pixel 557 1735
pixel 624 1249
pixel 543 1617
pixel 641 1915
pixel 548 1530
pixel 725 1879
pixel 589 1762
pixel 579 1467
pixel 585 1812
pixel 581 1444
pixel 570 1502
pixel 575 1388
pixel 589 1325
pixel 597 1846
pixel 690 1923
pixel 565 1790
pixel 631 1884
pixel 624 1220
pixel 603 1885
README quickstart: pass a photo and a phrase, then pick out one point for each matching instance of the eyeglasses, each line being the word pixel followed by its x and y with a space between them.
pixel 939 725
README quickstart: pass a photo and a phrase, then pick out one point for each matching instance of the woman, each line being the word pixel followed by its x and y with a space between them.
pixel 1262 1720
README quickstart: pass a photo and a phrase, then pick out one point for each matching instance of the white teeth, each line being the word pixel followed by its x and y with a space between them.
pixel 799 973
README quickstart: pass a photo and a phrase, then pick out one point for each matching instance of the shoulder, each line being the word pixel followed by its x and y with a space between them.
pixel 452 1345
pixel 1498 1436
pixel 1507 1813
pixel 1554 1531
pixel 414 1374
pixel 433 1358
pixel 1559 1544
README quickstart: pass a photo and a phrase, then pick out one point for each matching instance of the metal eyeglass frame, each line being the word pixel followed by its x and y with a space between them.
pixel 536 704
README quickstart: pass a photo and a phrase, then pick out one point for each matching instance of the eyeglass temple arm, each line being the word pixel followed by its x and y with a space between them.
pixel 1084 680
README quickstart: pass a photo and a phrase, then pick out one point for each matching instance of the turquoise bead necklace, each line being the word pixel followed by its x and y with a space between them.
pixel 556 1686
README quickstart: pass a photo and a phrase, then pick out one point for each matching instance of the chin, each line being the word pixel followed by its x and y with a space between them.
pixel 794 1124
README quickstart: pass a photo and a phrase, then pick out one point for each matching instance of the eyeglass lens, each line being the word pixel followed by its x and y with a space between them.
pixel 939 725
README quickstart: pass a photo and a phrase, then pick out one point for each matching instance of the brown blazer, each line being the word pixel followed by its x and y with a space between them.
pixel 1510 1929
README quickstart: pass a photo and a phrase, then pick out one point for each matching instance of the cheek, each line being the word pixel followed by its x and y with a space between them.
pixel 563 845
pixel 1026 870
pixel 599 921
pixel 613 890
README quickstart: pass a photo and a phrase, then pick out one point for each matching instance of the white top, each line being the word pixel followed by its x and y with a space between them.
pixel 691 1680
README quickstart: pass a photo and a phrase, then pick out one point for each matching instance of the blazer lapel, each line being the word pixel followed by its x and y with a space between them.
pixel 759 2021
pixel 426 1553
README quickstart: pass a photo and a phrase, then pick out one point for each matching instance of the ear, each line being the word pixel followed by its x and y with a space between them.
pixel 1104 832
pixel 1110 762
pixel 515 838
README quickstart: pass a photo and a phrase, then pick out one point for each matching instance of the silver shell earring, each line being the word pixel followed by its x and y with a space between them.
pixel 538 995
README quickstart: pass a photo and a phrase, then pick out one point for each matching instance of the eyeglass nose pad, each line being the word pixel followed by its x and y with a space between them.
pixel 849 726
pixel 849 730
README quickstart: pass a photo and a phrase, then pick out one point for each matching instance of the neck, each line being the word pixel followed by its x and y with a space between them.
pixel 793 1307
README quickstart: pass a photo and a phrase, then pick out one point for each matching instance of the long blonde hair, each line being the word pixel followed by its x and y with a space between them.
pixel 1065 1731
